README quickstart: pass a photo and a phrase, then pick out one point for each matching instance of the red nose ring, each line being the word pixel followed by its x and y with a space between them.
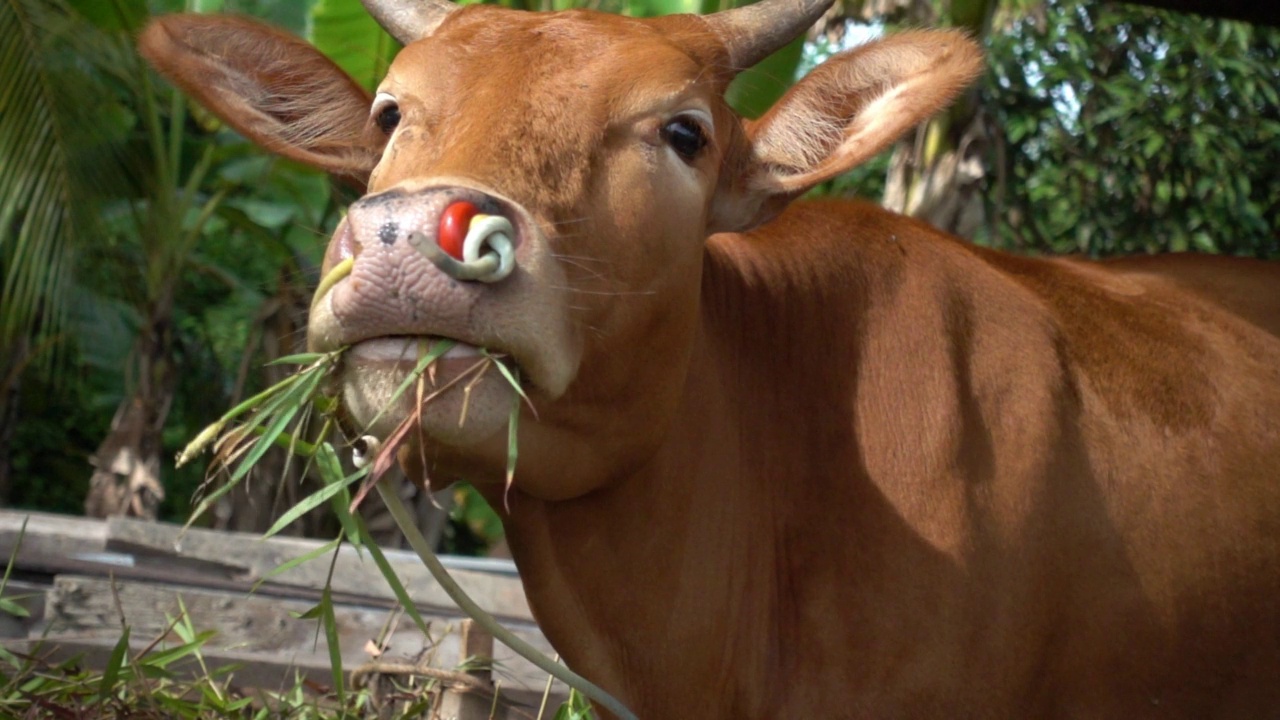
pixel 454 224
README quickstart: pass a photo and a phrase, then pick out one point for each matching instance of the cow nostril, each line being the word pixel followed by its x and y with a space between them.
pixel 389 232
pixel 343 245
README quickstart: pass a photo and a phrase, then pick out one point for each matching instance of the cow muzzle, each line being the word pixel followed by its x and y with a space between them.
pixel 467 234
pixel 407 269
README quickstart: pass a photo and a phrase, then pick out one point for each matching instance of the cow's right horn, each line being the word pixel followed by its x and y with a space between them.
pixel 751 33
pixel 409 20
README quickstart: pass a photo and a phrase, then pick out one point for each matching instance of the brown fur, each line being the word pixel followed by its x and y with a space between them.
pixel 987 496
pixel 837 466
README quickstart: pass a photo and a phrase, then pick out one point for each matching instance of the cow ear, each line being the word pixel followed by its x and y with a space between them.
pixel 274 88
pixel 842 114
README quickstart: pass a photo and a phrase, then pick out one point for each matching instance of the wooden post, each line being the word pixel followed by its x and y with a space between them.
pixel 477 645
pixel 469 704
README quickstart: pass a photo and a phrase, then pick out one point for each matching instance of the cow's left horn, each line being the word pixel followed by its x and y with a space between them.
pixel 409 20
pixel 751 33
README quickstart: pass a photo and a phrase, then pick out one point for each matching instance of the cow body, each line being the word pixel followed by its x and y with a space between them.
pixel 919 483
pixel 810 462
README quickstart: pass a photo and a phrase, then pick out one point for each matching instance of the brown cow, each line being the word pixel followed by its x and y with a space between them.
pixel 814 461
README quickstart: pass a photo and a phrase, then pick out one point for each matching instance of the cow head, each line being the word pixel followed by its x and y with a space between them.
pixel 607 145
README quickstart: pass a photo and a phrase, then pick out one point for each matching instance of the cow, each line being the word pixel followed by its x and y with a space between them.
pixel 781 458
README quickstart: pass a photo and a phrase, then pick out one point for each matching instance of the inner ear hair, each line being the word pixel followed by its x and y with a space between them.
pixel 858 103
pixel 274 88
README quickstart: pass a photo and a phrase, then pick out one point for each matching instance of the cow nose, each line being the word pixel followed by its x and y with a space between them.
pixel 465 234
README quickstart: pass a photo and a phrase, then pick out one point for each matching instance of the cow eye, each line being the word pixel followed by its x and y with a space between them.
pixel 685 136
pixel 388 118
pixel 386 113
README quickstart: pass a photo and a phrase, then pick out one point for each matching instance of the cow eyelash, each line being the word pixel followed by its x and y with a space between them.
pixel 385 113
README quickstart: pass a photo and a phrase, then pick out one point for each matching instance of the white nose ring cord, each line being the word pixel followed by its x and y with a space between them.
pixel 488 254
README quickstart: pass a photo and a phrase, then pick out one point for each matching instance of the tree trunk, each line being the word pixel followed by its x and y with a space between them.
pixel 937 173
pixel 10 384
pixel 126 479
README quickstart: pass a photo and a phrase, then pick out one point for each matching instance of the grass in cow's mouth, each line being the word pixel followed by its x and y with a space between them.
pixel 282 415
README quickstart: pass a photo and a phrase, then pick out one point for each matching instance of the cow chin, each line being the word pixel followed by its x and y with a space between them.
pixel 463 415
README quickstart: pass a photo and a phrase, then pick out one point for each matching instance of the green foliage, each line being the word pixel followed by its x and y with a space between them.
pixel 577 707
pixel 1135 130
pixel 344 30
pixel 60 138
pixel 755 91
pixel 473 525
pixel 654 8
pixel 168 203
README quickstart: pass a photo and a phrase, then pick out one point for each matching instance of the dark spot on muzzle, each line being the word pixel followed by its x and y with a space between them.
pixel 388 232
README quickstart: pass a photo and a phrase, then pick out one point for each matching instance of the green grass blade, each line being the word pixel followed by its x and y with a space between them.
pixel 301 388
pixel 330 624
pixel 114 663
pixel 292 563
pixel 291 403
pixel 321 364
pixel 9 607
pixel 511 378
pixel 513 448
pixel 331 470
pixel 13 555
pixel 162 659
pixel 313 501
pixel 299 359
pixel 211 433
pixel 7 604
pixel 389 574
pixel 438 348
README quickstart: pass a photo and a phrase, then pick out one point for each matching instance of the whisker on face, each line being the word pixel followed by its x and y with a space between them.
pixel 593 273
pixel 581 258
pixel 612 293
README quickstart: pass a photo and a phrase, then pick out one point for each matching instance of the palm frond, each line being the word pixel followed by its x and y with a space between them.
pixel 59 130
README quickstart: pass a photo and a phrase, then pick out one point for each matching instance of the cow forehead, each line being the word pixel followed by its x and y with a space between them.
pixel 493 33
pixel 501 94
pixel 597 63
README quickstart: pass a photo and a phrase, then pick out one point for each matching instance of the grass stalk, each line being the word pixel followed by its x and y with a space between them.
pixel 265 420
pixel 409 527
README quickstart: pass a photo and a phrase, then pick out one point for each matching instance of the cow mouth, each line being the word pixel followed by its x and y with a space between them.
pixel 408 349
pixel 464 395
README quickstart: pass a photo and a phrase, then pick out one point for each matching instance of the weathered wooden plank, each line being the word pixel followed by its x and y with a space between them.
pixel 85 607
pixel 154 564
pixel 50 534
pixel 249 557
pixel 256 670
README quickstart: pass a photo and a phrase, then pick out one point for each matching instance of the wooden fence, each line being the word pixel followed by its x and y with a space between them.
pixel 77 576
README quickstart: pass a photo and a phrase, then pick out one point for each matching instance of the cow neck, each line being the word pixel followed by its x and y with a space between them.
pixel 674 568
